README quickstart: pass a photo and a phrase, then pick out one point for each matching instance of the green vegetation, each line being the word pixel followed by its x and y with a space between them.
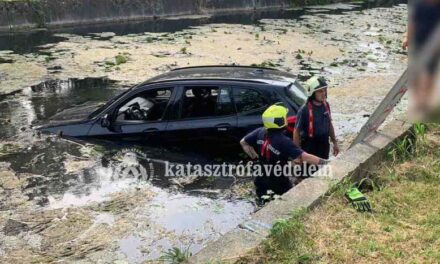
pixel 404 226
pixel 48 59
pixel 39 11
pixel 175 255
pixel 120 59
pixel 149 39
pixel 301 53
pixel 9 148
pixel 290 238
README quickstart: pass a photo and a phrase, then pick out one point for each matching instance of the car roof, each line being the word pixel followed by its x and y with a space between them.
pixel 235 73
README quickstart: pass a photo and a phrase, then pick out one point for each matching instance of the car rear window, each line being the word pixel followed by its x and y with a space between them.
pixel 216 102
pixel 247 100
pixel 296 93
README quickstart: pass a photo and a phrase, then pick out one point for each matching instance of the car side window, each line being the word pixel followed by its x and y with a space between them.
pixel 206 101
pixel 146 106
pixel 249 100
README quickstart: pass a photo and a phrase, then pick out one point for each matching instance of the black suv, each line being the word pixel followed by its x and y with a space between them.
pixel 207 102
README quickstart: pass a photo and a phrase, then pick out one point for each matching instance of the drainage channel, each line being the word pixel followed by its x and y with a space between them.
pixel 27 42
pixel 75 189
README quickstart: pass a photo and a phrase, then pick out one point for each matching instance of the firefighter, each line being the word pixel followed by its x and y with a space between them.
pixel 314 127
pixel 270 145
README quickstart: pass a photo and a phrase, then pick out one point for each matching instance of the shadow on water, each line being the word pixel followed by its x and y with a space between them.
pixel 30 41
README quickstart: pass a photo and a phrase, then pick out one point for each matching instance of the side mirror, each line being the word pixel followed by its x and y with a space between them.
pixel 105 121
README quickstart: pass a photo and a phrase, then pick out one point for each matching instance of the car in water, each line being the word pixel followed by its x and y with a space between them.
pixel 219 103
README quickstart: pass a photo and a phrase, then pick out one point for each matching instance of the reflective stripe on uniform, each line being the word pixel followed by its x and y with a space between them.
pixel 269 119
pixel 311 118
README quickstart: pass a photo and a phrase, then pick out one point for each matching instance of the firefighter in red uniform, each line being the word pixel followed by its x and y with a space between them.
pixel 271 146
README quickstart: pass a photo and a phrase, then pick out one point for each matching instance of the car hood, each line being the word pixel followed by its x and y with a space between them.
pixel 76 114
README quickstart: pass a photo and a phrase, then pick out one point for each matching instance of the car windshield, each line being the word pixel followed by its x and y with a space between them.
pixel 149 105
pixel 104 106
pixel 296 93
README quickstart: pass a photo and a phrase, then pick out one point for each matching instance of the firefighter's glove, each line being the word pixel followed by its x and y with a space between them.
pixel 358 200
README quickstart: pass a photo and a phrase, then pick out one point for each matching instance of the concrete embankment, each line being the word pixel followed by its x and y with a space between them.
pixel 28 14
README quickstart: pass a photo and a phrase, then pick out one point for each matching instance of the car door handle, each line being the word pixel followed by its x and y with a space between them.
pixel 148 130
pixel 223 127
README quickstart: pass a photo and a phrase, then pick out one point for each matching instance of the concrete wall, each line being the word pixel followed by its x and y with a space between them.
pixel 15 15
pixel 356 163
pixel 40 13
pixel 212 6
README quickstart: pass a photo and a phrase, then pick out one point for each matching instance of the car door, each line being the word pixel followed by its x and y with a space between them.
pixel 139 116
pixel 201 122
pixel 250 104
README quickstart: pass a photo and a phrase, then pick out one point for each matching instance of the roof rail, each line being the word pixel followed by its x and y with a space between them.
pixel 207 79
pixel 224 66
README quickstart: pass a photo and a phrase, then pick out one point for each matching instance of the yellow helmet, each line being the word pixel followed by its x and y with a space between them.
pixel 275 116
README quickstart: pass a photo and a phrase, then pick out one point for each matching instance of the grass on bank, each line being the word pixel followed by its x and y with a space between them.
pixel 404 226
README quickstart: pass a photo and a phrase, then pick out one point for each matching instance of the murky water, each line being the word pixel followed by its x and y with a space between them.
pixel 41 102
pixel 192 220
pixel 60 174
pixel 45 156
pixel 30 42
